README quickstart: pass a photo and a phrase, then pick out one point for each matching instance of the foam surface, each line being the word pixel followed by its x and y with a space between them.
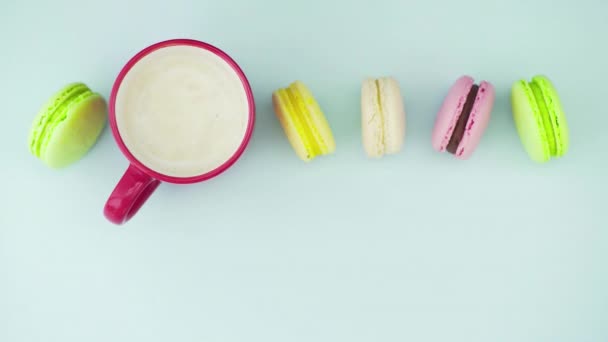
pixel 182 111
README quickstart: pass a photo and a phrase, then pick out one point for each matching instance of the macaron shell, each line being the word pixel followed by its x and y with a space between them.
pixel 394 115
pixel 54 106
pixel 74 136
pixel 528 122
pixel 450 111
pixel 382 116
pixel 557 116
pixel 282 112
pixel 371 121
pixel 478 120
pixel 317 118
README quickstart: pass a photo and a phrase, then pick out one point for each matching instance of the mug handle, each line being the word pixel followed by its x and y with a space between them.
pixel 131 192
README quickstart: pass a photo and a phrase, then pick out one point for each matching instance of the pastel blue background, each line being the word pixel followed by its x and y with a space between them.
pixel 414 247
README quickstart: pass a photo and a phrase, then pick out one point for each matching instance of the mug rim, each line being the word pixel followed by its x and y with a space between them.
pixel 182 42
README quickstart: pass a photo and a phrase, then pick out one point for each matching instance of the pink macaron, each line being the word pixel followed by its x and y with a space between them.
pixel 463 117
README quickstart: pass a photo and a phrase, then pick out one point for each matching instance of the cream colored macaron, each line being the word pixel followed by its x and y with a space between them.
pixel 382 116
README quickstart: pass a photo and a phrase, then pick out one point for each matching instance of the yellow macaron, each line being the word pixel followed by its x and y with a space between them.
pixel 303 121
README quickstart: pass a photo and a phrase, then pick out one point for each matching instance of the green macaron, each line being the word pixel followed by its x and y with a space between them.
pixel 68 126
pixel 540 119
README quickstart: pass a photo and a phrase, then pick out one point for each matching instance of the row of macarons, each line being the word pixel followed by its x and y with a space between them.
pixel 459 125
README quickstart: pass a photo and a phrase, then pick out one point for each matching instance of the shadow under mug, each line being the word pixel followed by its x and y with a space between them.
pixel 139 181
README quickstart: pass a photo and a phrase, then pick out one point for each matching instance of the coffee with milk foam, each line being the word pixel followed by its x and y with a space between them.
pixel 182 111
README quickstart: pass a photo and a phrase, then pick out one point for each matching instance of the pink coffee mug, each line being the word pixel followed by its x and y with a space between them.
pixel 139 181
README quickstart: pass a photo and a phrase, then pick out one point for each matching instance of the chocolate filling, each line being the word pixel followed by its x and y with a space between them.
pixel 461 125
